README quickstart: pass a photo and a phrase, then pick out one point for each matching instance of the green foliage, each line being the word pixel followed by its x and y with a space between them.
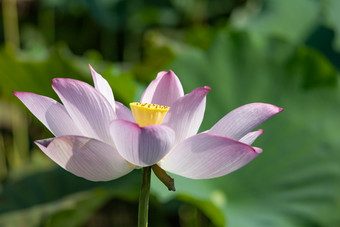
pixel 18 75
pixel 48 193
pixel 331 17
pixel 296 180
pixel 319 71
pixel 281 19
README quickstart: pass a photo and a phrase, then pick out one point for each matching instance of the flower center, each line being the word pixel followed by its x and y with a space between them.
pixel 148 114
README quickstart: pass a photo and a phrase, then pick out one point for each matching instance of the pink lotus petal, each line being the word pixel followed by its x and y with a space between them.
pixel 186 114
pixel 103 87
pixel 250 137
pixel 142 146
pixel 85 157
pixel 123 112
pixel 207 155
pixel 258 150
pixel 51 113
pixel 242 120
pixel 88 108
pixel 164 90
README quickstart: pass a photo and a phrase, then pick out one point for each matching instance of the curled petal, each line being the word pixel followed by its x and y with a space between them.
pixel 208 155
pixel 142 146
pixel 164 90
pixel 186 114
pixel 51 113
pixel 88 108
pixel 242 120
pixel 250 137
pixel 123 112
pixel 258 150
pixel 85 157
pixel 103 87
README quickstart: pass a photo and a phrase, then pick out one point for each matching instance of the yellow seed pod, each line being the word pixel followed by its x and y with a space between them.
pixel 148 114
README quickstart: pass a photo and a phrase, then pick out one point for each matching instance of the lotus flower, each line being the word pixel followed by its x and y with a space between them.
pixel 100 139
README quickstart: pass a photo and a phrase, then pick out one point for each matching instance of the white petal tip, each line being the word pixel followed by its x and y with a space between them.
pixel 169 73
pixel 20 94
pixel 56 81
pixel 44 142
pixel 258 150
pixel 92 70
pixel 207 88
pixel 203 90
pixel 275 109
pixel 62 81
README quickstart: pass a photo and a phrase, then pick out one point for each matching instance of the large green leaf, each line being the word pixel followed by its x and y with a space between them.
pixel 33 75
pixel 331 19
pixel 31 199
pixel 28 74
pixel 289 20
pixel 296 180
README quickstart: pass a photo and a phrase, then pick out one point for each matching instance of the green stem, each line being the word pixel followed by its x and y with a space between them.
pixel 143 208
pixel 10 21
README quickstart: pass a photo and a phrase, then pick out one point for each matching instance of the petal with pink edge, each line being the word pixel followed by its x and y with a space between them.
pixel 123 112
pixel 250 137
pixel 142 146
pixel 207 155
pixel 85 157
pixel 103 87
pixel 242 120
pixel 186 114
pixel 51 113
pixel 164 90
pixel 88 108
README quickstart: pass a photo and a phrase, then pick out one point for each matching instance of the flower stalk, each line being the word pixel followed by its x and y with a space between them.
pixel 143 207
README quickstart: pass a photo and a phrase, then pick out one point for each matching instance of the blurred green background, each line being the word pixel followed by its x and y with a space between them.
pixel 284 52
